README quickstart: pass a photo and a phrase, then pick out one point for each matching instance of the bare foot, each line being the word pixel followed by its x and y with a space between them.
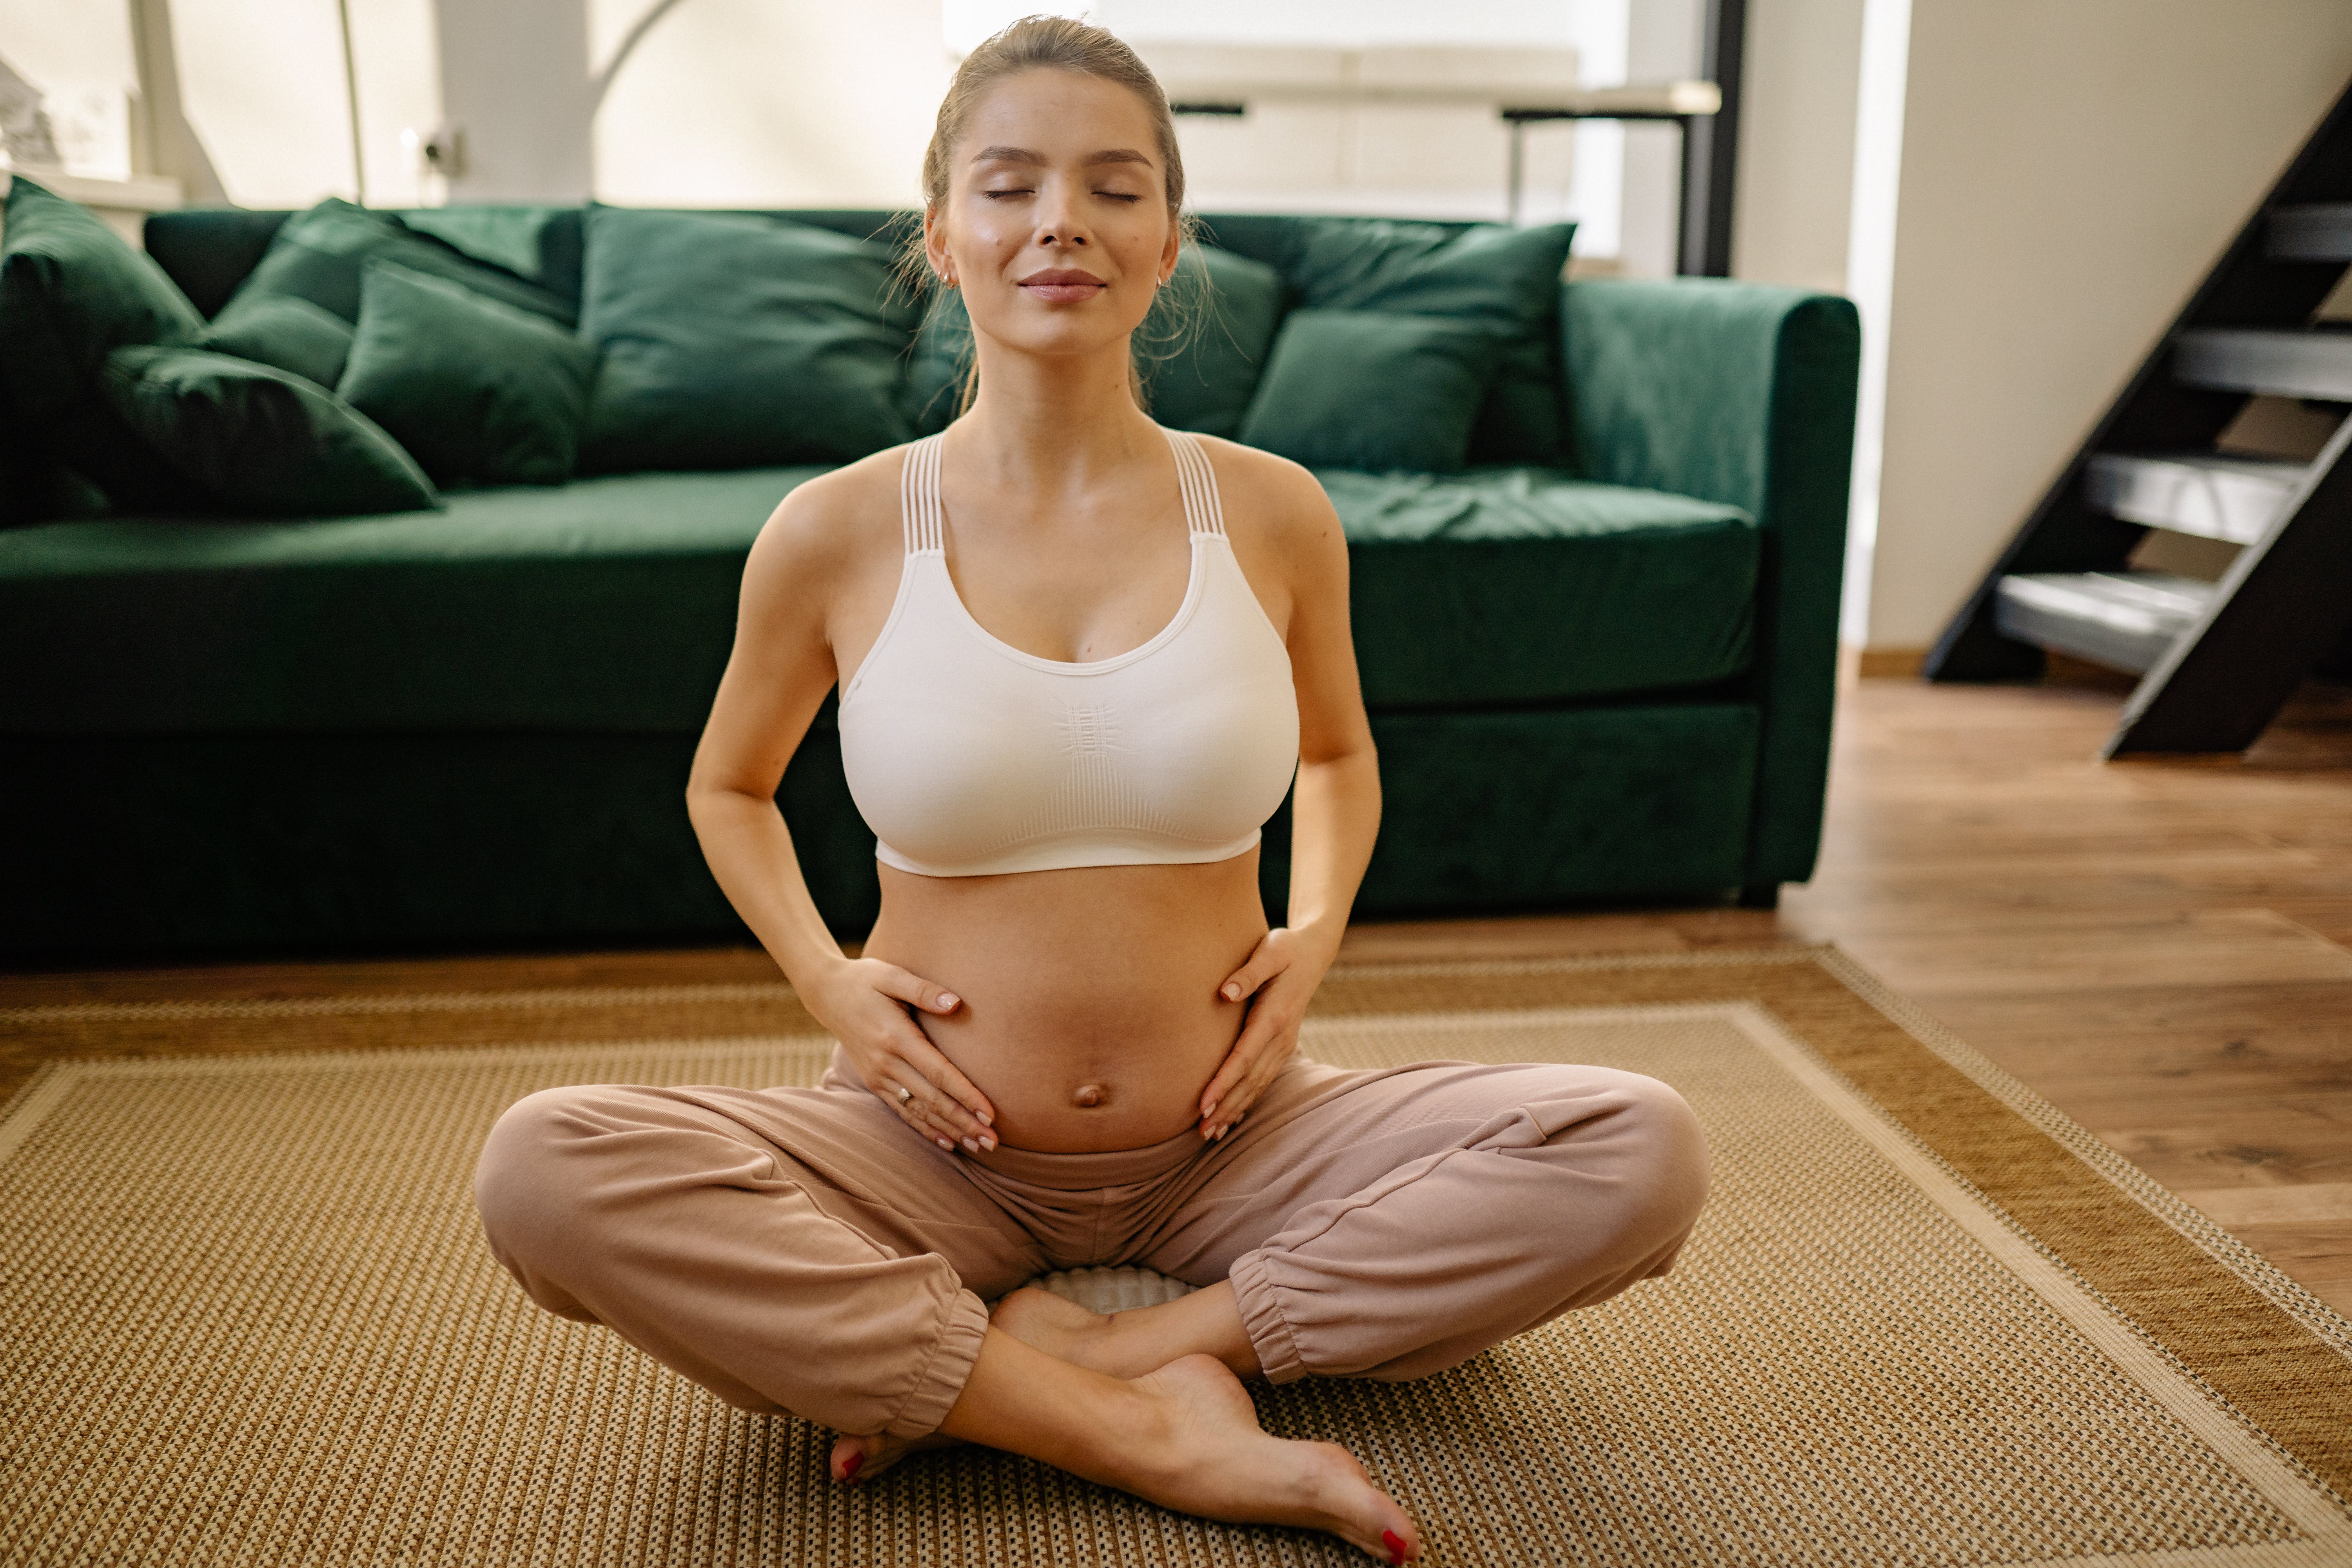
pixel 1210 1456
pixel 1128 1344
pixel 1060 1328
pixel 863 1458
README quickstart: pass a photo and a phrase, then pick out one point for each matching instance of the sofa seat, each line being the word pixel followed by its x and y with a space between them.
pixel 1495 587
pixel 1511 585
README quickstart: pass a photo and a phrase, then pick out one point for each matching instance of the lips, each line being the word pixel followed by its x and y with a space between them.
pixel 1062 285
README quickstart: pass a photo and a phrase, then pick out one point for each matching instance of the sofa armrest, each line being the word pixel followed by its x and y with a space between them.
pixel 1741 393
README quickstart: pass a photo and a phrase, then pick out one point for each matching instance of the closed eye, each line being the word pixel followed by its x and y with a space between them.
pixel 1121 196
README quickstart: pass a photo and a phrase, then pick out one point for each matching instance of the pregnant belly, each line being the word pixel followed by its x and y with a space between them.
pixel 1090 1016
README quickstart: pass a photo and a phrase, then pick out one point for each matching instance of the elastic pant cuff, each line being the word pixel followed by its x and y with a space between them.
pixel 1262 1319
pixel 941 1380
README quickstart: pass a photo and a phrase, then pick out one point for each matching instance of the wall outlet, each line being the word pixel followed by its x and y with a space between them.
pixel 438 149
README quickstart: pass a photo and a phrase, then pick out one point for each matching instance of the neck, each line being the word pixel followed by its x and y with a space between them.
pixel 1053 424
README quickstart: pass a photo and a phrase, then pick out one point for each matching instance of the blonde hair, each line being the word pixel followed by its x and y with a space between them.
pixel 1060 43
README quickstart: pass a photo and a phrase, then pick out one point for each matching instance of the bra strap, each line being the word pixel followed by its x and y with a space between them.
pixel 919 499
pixel 1203 514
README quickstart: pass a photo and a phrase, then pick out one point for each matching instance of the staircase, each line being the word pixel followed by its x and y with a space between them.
pixel 2217 659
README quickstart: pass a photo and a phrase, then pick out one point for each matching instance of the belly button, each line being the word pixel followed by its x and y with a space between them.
pixel 1090 1094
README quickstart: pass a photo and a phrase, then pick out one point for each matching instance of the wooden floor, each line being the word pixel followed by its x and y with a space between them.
pixel 2162 948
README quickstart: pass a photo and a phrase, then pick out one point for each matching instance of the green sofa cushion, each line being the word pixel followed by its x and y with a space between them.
pixel 735 342
pixel 1374 390
pixel 496 613
pixel 1504 278
pixel 1517 585
pixel 320 256
pixel 71 292
pixel 479 393
pixel 251 439
pixel 282 330
pixel 539 244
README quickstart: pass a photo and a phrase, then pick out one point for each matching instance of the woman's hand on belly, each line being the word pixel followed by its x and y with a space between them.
pixel 863 1002
pixel 1278 980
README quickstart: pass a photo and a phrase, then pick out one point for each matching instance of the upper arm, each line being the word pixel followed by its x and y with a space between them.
pixel 782 664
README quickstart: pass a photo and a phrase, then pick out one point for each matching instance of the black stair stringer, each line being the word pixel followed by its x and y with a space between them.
pixel 2247 288
pixel 2283 606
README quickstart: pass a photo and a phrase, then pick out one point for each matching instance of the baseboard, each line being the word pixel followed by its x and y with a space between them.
pixel 1879 663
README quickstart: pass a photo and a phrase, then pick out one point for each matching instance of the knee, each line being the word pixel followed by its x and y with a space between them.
pixel 528 1187
pixel 1666 1157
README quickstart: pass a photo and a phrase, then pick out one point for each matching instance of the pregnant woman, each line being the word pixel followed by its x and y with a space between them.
pixel 1080 657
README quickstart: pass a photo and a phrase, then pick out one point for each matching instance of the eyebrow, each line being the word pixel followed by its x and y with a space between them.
pixel 1023 155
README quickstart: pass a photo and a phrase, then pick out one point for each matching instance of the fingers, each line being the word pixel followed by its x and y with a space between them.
pixel 1254 1062
pixel 962 1093
pixel 916 991
pixel 1264 962
pixel 931 1112
pixel 1228 1073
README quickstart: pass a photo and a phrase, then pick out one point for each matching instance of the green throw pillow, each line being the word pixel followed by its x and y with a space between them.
pixel 281 329
pixel 479 393
pixel 1234 305
pixel 319 255
pixel 252 439
pixel 71 292
pixel 1375 390
pixel 1201 348
pixel 1505 279
pixel 732 341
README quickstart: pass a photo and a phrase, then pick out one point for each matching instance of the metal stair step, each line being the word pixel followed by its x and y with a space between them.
pixel 2208 494
pixel 2283 364
pixel 2125 619
pixel 2314 231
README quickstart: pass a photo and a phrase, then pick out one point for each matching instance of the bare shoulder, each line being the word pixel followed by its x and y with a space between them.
pixel 833 528
pixel 1271 501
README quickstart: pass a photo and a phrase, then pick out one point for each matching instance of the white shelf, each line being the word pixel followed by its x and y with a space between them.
pixel 141 193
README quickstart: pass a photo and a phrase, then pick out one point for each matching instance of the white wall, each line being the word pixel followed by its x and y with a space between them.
pixel 1796 142
pixel 514 79
pixel 2068 173
pixel 770 102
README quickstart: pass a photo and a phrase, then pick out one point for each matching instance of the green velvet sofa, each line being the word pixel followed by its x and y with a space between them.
pixel 1607 679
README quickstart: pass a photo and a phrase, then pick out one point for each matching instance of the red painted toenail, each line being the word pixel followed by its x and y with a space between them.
pixel 1395 1544
pixel 849 1469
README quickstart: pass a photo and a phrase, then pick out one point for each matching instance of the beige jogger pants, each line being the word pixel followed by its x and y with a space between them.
pixel 804 1250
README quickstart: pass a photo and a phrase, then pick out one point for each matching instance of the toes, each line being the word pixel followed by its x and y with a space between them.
pixel 860 1459
pixel 853 1458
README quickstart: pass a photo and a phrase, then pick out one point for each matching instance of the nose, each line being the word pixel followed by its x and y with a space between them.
pixel 1058 222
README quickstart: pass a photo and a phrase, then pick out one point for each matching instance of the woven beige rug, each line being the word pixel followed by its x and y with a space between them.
pixel 246 1316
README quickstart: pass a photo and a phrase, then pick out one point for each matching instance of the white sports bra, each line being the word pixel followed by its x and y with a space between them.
pixel 968 757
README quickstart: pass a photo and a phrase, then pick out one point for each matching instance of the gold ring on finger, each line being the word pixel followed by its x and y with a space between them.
pixel 905 1094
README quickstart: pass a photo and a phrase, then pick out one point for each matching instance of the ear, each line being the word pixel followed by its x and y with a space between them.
pixel 935 247
pixel 1168 252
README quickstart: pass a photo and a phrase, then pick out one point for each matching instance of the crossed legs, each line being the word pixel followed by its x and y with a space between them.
pixel 784 1250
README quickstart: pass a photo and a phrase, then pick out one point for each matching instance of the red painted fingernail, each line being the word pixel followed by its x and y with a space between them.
pixel 1390 1539
pixel 849 1466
